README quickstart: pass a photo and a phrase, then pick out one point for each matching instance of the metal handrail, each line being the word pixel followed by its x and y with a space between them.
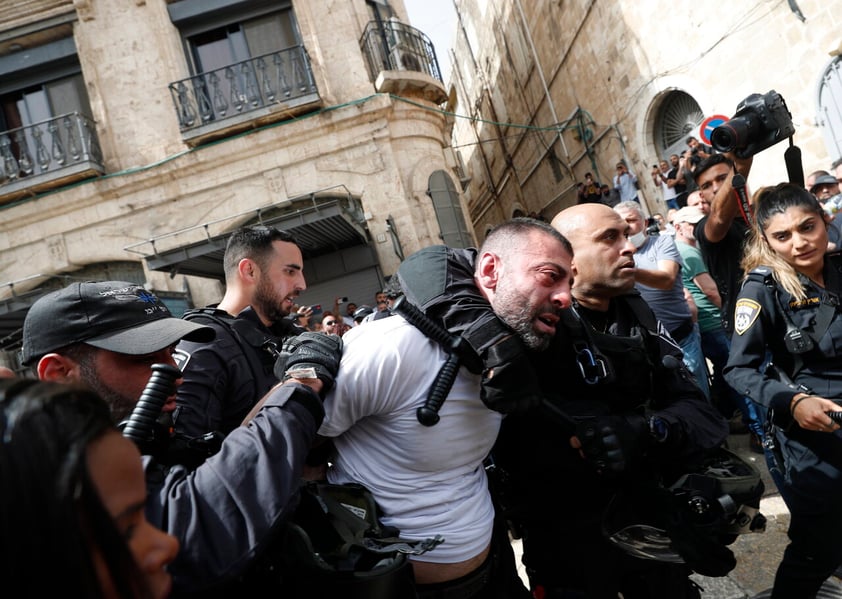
pixel 48 146
pixel 394 46
pixel 242 87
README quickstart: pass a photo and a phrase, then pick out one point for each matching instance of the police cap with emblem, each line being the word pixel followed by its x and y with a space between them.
pixel 113 315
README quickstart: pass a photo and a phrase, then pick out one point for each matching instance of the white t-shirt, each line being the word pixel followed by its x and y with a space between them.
pixel 669 192
pixel 428 480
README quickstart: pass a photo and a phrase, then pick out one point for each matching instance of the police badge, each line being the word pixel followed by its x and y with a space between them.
pixel 745 313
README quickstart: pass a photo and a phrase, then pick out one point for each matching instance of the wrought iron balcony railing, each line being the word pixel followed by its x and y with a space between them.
pixel 395 46
pixel 60 147
pixel 243 87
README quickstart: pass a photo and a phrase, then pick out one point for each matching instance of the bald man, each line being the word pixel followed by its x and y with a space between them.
pixel 620 375
pixel 615 374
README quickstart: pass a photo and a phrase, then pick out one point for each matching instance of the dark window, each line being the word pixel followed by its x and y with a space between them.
pixel 36 88
pixel 243 56
pixel 448 209
pixel 379 10
pixel 236 42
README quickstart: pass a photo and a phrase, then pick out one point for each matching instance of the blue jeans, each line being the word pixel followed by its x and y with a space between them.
pixel 716 345
pixel 694 359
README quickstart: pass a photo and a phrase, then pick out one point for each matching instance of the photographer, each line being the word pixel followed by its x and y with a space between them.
pixel 722 234
pixel 626 184
pixel 698 151
pixel 664 178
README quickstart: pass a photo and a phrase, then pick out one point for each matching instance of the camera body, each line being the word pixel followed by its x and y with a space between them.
pixel 652 226
pixel 761 121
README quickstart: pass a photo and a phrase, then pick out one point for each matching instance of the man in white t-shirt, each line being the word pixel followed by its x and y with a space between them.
pixel 626 184
pixel 661 177
pixel 430 480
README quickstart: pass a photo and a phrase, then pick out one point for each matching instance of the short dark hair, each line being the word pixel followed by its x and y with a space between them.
pixel 504 234
pixel 710 161
pixel 253 242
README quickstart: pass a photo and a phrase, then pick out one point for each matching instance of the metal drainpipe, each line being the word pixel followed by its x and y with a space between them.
pixel 544 84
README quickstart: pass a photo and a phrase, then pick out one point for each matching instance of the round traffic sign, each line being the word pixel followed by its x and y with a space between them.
pixel 709 124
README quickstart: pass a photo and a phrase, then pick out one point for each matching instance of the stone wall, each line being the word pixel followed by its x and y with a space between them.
pixel 533 64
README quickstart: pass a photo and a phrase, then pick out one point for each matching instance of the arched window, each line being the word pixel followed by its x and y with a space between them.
pixel 829 103
pixel 678 117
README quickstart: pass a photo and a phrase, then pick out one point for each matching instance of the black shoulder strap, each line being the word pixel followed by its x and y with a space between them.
pixel 642 312
pixel 761 275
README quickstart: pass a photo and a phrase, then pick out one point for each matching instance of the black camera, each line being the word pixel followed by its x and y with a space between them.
pixel 652 226
pixel 760 121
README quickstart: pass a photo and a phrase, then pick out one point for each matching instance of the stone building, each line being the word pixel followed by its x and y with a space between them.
pixel 548 90
pixel 134 135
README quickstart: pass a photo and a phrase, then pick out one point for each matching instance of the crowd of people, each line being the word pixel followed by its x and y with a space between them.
pixel 569 383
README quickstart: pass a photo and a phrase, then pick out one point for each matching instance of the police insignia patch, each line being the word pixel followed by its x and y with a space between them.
pixel 745 313
pixel 181 358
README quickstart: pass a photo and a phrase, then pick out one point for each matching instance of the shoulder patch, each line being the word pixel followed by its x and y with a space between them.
pixel 745 313
pixel 181 358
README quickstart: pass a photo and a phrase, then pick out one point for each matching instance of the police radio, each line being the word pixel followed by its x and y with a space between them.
pixel 796 341
pixel 143 426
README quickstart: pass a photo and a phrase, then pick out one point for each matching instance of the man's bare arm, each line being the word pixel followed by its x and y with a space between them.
pixel 707 285
pixel 724 207
pixel 661 278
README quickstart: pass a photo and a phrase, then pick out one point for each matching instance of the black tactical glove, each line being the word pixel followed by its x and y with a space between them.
pixel 508 379
pixel 614 443
pixel 310 350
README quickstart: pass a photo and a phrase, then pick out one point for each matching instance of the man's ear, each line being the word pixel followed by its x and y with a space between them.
pixel 58 368
pixel 248 270
pixel 488 271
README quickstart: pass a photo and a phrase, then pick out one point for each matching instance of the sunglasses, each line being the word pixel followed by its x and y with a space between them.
pixel 329 323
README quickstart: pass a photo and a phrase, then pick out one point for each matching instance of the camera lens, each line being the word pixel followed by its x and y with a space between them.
pixel 736 133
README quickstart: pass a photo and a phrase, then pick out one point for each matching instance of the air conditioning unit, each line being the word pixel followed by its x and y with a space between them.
pixel 404 60
pixel 403 51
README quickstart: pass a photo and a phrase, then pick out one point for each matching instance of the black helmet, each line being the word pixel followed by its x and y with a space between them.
pixel 693 519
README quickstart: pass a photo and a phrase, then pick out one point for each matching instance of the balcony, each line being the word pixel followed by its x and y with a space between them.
pixel 256 91
pixel 402 60
pixel 47 155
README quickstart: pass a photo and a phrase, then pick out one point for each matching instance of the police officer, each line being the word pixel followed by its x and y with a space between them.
pixel 787 311
pixel 224 378
pixel 620 408
pixel 227 512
